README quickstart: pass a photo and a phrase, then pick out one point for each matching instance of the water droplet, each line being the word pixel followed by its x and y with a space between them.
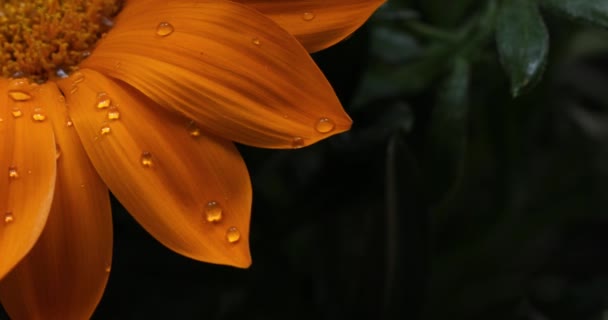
pixel 164 29
pixel 105 130
pixel 108 268
pixel 17 113
pixel 213 212
pixel 38 115
pixel 297 143
pixel 107 21
pixel 233 235
pixel 19 95
pixel 256 41
pixel 193 129
pixel 325 125
pixel 8 217
pixel 103 100
pixel 146 159
pixel 308 16
pixel 12 172
pixel 113 113
pixel 61 73
pixel 77 77
pixel 74 90
pixel 68 122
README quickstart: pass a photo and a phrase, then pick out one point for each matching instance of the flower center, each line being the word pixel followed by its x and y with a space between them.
pixel 46 39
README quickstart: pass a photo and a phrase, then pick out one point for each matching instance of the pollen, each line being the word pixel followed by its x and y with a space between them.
pixel 47 39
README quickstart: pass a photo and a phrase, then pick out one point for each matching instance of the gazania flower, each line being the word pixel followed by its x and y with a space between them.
pixel 145 98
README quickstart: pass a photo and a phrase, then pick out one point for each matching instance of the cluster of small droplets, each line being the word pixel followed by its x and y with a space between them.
pixel 42 39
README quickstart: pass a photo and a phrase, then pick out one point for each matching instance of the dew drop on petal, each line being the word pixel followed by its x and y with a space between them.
pixel 213 212
pixel 9 217
pixel 108 268
pixel 325 125
pixel 38 115
pixel 146 159
pixel 233 235
pixel 297 142
pixel 308 16
pixel 103 100
pixel 68 122
pixel 105 130
pixel 12 172
pixel 193 129
pixel 60 73
pixel 77 77
pixel 19 95
pixel 164 29
pixel 113 113
pixel 256 41
pixel 17 113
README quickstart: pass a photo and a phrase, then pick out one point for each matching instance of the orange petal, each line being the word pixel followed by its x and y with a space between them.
pixel 163 171
pixel 225 65
pixel 64 275
pixel 317 24
pixel 27 172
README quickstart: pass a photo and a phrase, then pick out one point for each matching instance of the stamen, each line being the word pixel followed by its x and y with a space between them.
pixel 46 39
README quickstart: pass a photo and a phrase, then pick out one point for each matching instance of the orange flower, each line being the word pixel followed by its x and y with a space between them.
pixel 151 114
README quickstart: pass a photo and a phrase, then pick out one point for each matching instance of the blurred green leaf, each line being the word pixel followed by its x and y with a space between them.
pixel 523 43
pixel 406 232
pixel 590 11
pixel 448 131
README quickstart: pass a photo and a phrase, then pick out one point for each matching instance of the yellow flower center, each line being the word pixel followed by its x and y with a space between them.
pixel 46 39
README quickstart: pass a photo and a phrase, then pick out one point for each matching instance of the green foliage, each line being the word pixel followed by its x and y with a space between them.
pixel 523 42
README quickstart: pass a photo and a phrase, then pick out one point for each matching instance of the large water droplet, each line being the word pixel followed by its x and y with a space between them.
pixel 9 217
pixel 164 29
pixel 38 115
pixel 297 142
pixel 12 172
pixel 325 125
pixel 233 235
pixel 308 16
pixel 19 95
pixel 213 212
pixel 113 113
pixel 146 159
pixel 103 100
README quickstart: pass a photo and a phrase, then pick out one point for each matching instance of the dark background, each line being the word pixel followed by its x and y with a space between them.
pixel 449 198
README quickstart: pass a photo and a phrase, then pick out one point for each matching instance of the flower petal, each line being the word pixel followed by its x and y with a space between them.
pixel 225 65
pixel 64 275
pixel 317 24
pixel 27 172
pixel 164 172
